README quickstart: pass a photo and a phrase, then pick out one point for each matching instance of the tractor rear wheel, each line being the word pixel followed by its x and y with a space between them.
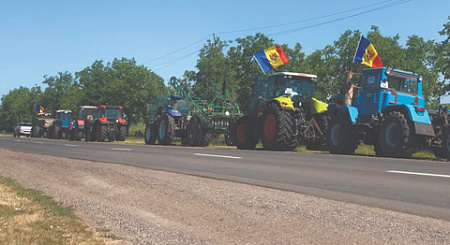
pixel 197 134
pixel 395 138
pixel 278 129
pixel 151 134
pixel 340 138
pixel 166 129
pixel 242 133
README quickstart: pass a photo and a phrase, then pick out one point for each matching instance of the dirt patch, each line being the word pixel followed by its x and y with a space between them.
pixel 154 207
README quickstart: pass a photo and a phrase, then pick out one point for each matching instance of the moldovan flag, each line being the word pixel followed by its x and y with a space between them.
pixel 40 109
pixel 271 58
pixel 366 54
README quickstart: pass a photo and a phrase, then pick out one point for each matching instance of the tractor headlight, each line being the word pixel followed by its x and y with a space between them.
pixel 227 113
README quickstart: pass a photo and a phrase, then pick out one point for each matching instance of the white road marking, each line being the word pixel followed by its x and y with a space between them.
pixel 70 145
pixel 209 155
pixel 39 142
pixel 415 173
pixel 121 149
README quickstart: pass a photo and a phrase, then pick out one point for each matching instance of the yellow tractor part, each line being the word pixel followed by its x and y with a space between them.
pixel 318 106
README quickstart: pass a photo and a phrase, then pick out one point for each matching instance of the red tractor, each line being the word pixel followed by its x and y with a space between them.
pixel 110 124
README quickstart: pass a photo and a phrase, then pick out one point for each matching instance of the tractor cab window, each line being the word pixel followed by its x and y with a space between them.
pixel 262 91
pixel 181 106
pixel 112 113
pixel 371 81
pixel 302 87
pixel 402 83
pixel 65 116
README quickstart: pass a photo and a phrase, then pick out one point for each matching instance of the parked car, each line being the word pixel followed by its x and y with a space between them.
pixel 23 128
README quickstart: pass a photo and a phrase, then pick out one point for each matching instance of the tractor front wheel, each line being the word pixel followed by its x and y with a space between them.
pixel 102 133
pixel 340 138
pixel 166 129
pixel 151 134
pixel 197 134
pixel 242 133
pixel 395 139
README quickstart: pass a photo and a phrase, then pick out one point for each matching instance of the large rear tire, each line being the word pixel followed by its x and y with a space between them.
pixel 242 133
pixel 278 129
pixel 166 129
pixel 151 134
pixel 395 138
pixel 340 138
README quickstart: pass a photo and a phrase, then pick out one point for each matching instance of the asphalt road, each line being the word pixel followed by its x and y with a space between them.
pixel 413 186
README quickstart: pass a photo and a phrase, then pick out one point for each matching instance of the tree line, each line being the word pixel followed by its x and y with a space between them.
pixel 124 82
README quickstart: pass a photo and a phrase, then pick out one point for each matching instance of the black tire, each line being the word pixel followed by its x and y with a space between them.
pixel 444 152
pixel 122 133
pixel 395 136
pixel 242 133
pixel 151 134
pixel 341 139
pixel 197 133
pixel 277 132
pixel 166 129
pixel 102 133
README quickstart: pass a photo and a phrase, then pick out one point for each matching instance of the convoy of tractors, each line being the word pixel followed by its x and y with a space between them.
pixel 382 107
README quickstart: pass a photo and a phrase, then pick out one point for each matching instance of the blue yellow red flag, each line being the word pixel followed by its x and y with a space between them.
pixel 40 109
pixel 366 54
pixel 271 58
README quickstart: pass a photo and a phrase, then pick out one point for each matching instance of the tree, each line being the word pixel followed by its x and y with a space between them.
pixel 18 105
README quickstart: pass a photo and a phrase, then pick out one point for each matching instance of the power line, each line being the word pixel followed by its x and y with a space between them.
pixel 340 19
pixel 384 5
pixel 306 20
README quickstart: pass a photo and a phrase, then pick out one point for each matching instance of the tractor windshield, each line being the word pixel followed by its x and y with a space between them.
pixel 402 82
pixel 66 116
pixel 85 112
pixel 112 113
pixel 303 88
pixel 181 106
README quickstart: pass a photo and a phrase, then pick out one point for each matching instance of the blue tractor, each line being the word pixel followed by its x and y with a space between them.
pixel 60 127
pixel 168 119
pixel 386 110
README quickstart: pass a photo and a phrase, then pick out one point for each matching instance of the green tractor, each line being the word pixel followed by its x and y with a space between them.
pixel 283 114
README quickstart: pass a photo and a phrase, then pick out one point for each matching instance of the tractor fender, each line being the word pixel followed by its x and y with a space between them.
pixel 420 119
pixel 173 113
pixel 350 111
pixel 284 101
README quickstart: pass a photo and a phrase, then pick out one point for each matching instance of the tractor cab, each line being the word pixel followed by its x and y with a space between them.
pixel 299 87
pixel 110 112
pixel 172 104
pixel 382 88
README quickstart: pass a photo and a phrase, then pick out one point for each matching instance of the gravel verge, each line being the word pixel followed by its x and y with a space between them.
pixel 153 207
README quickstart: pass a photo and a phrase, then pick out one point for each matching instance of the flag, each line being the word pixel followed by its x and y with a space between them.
pixel 271 58
pixel 40 109
pixel 366 54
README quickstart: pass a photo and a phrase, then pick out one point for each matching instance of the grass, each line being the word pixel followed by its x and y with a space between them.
pixel 29 217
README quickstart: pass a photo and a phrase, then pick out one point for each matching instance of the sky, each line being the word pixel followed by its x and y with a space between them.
pixel 39 38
